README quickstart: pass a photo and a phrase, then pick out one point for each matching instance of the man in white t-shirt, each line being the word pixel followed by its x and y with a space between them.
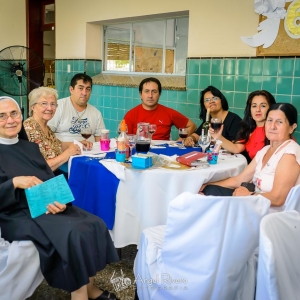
pixel 74 113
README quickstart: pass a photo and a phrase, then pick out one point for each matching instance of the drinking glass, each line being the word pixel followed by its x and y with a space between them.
pixel 216 124
pixel 132 141
pixel 183 133
pixel 204 142
pixel 86 133
pixel 152 129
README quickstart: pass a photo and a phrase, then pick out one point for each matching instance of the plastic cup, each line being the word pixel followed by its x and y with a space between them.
pixel 104 144
pixel 120 155
pixel 212 158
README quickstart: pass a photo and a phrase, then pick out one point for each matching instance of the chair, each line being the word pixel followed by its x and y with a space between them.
pixel 20 271
pixel 205 251
pixel 278 274
pixel 293 199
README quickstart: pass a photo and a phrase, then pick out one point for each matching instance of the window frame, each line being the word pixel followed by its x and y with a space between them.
pixel 132 57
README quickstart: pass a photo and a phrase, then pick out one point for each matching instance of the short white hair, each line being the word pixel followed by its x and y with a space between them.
pixel 37 93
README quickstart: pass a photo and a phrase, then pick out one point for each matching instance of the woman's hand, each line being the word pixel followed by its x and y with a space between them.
pixel 87 144
pixel 216 135
pixel 241 191
pixel 73 150
pixel 55 208
pixel 24 182
pixel 202 188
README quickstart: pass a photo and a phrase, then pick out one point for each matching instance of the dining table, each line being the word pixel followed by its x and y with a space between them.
pixel 130 200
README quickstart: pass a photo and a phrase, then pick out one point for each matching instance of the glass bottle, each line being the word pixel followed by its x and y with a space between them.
pixel 205 125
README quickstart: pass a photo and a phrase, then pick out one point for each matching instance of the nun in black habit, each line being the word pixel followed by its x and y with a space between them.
pixel 73 245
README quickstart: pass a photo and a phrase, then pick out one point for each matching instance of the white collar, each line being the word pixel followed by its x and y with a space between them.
pixel 12 141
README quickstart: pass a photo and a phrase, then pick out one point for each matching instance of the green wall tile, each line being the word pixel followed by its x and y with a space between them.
pixel 121 103
pixel 242 66
pixel 182 108
pixel 163 96
pixel 128 103
pixel 256 67
pixel 270 67
pixel 241 83
pixel 121 91
pixel 297 67
pixel 193 66
pixel 106 90
pixel 114 91
pixel 217 66
pixel 229 97
pixel 204 81
pixel 296 103
pixel 240 100
pixel 192 81
pixel 283 98
pixel 205 66
pixel 296 88
pixel 228 82
pixel 182 96
pixel 269 84
pixel 286 67
pixel 128 92
pixel 255 83
pixel 217 81
pixel 297 136
pixel 193 96
pixel 229 66
pixel 172 96
pixel 193 111
pixel 284 85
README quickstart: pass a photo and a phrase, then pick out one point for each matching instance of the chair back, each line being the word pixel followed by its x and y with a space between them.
pixel 20 272
pixel 209 241
pixel 278 274
pixel 292 201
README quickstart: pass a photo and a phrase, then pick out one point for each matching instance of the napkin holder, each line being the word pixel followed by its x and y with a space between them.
pixel 141 161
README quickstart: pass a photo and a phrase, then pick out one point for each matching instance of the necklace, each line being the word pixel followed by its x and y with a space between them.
pixel 79 115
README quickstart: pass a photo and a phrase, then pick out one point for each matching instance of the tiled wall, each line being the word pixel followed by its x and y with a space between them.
pixel 63 78
pixel 235 77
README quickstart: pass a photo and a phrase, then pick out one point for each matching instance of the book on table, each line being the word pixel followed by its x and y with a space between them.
pixel 192 159
pixel 40 196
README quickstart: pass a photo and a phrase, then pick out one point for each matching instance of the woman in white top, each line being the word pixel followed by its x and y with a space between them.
pixel 275 169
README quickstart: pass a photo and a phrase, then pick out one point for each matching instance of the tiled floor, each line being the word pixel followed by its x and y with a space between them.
pixel 103 280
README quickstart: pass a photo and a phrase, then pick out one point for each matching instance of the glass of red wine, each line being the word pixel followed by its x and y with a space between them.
pixel 152 129
pixel 86 133
pixel 183 133
pixel 216 124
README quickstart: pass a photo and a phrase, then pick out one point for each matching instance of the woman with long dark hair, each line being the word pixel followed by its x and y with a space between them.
pixel 251 136
pixel 213 100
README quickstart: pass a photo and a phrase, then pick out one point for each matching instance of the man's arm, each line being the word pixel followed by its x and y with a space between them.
pixel 191 127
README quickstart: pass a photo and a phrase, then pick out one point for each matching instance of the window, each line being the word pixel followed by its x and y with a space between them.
pixel 158 46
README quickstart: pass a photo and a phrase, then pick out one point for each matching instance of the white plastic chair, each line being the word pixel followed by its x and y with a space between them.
pixel 205 251
pixel 20 271
pixel 293 199
pixel 278 274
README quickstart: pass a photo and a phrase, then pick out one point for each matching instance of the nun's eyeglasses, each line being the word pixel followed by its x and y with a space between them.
pixel 13 115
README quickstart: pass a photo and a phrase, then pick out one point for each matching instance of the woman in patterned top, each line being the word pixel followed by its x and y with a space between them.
pixel 43 103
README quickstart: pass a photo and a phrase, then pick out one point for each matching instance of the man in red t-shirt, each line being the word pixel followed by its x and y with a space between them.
pixel 152 112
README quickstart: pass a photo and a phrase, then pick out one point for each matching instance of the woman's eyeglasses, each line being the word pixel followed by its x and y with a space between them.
pixel 211 99
pixel 46 104
pixel 13 115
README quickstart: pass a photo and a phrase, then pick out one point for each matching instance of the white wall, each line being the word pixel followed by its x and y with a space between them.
pixel 12 23
pixel 214 30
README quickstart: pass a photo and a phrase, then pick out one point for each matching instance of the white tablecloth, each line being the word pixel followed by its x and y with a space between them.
pixel 143 197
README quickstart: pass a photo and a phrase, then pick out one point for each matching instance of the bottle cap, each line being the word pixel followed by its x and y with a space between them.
pixel 105 131
pixel 123 125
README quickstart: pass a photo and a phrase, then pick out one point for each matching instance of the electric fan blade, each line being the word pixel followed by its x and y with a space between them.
pixel 21 70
